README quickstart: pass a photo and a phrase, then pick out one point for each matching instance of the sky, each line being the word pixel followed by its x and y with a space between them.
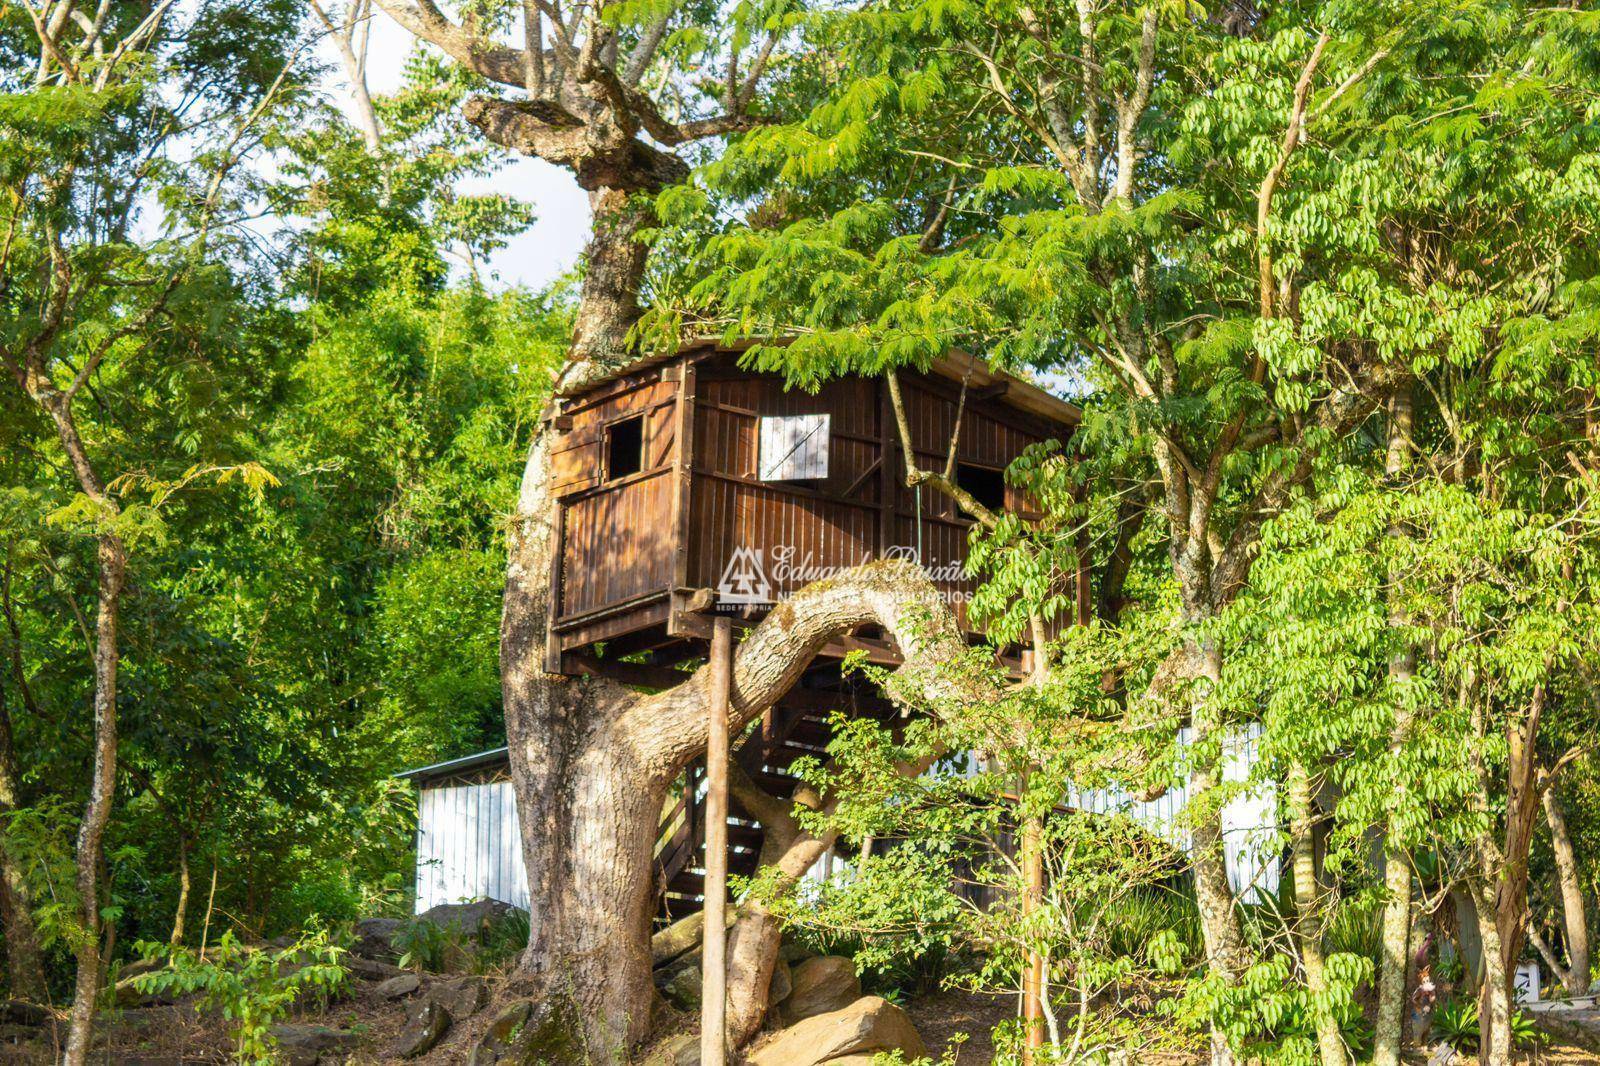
pixel 540 253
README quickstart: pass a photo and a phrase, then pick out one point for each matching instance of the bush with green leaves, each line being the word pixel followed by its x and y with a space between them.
pixel 1456 1020
pixel 422 944
pixel 429 946
pixel 898 919
pixel 1268 1016
pixel 252 988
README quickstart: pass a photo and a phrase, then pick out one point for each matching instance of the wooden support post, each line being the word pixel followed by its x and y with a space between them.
pixel 714 997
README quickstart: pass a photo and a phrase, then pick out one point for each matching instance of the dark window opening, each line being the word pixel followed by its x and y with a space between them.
pixel 624 447
pixel 984 484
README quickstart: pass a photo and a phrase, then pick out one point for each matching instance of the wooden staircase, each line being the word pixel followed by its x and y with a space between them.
pixel 798 727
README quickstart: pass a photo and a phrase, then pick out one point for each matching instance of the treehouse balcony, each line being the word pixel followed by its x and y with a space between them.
pixel 686 485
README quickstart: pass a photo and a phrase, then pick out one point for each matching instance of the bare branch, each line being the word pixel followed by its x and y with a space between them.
pixel 495 62
pixel 1130 109
pixel 1269 184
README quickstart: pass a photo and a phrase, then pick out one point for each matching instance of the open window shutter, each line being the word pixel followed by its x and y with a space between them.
pixel 794 447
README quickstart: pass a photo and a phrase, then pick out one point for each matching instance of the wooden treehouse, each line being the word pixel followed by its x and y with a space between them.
pixel 688 488
pixel 685 484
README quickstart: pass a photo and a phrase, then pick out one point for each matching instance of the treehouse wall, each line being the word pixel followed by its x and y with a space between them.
pixel 668 503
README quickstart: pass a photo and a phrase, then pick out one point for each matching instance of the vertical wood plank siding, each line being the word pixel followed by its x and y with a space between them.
pixel 620 543
pixel 616 542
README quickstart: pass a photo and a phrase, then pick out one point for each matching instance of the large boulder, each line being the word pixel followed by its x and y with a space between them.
pixel 819 986
pixel 370 969
pixel 680 1050
pixel 462 998
pixel 375 938
pixel 498 1042
pixel 681 937
pixel 864 1028
pixel 475 919
pixel 424 1028
pixel 515 1039
pixel 399 987
pixel 304 1045
pixel 782 984
pixel 681 984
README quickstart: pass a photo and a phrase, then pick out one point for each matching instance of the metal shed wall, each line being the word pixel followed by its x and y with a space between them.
pixel 1249 820
pixel 468 845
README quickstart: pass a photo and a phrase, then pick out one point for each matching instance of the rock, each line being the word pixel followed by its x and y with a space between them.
pixel 793 953
pixel 472 919
pixel 497 1040
pixel 139 967
pixel 682 935
pixel 516 1040
pixel 865 1027
pixel 782 984
pixel 423 1030
pixel 680 1050
pixel 461 998
pixel 370 969
pixel 1443 1055
pixel 396 987
pixel 682 985
pixel 303 1045
pixel 126 995
pixel 375 938
pixel 821 985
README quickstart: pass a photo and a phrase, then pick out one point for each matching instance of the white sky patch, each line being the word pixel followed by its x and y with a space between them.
pixel 536 256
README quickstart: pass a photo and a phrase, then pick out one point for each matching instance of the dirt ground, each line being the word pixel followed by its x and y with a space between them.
pixel 177 1036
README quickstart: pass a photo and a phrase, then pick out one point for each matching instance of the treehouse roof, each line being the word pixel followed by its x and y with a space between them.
pixel 957 366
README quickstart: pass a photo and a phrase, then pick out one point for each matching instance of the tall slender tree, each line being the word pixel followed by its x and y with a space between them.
pixel 89 130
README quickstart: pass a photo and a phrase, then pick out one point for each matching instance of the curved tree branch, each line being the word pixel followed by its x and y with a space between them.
pixel 669 728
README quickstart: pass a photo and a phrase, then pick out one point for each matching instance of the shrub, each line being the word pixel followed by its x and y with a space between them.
pixel 253 989
pixel 422 944
pixel 1456 1023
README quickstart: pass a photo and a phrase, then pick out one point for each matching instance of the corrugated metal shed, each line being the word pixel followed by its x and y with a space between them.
pixel 1249 820
pixel 468 843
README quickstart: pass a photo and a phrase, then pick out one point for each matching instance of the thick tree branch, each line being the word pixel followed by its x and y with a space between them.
pixel 481 56
pixel 1269 184
pixel 669 728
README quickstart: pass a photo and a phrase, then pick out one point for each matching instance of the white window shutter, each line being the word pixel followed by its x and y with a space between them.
pixel 794 447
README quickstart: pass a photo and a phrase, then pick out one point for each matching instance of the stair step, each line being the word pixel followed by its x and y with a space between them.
pixel 778 784
pixel 744 836
pixel 787 755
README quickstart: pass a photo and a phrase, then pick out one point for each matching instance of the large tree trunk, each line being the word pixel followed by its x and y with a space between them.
pixel 1494 1001
pixel 1308 913
pixel 1575 976
pixel 613 273
pixel 1392 963
pixel 593 763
